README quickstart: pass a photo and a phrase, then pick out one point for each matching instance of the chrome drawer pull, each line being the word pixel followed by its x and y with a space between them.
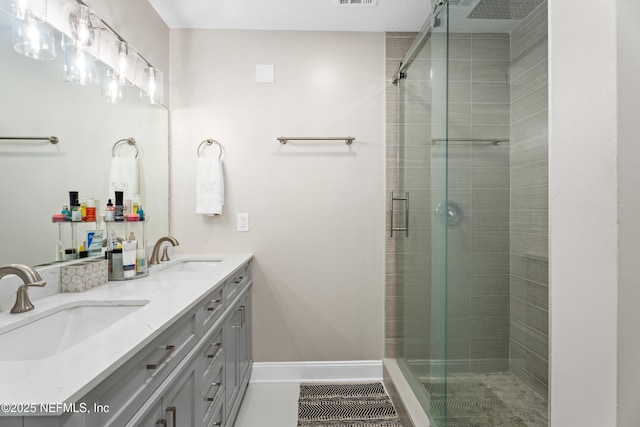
pixel 175 411
pixel 168 350
pixel 210 399
pixel 238 280
pixel 214 344
pixel 214 301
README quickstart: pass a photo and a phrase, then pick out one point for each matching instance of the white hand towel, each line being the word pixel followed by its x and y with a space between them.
pixel 124 176
pixel 209 186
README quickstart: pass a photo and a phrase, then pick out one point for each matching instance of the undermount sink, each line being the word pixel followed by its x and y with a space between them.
pixel 194 265
pixel 60 328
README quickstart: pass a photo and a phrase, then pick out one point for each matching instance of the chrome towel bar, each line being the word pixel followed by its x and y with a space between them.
pixel 347 139
pixel 51 139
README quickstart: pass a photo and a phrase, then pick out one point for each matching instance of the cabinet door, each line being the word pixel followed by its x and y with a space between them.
pixel 239 362
pixel 231 362
pixel 178 405
pixel 181 402
pixel 244 348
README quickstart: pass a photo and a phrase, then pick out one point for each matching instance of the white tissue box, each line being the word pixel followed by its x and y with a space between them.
pixel 83 275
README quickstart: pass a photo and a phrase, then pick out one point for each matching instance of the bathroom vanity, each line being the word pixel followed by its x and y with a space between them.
pixel 173 349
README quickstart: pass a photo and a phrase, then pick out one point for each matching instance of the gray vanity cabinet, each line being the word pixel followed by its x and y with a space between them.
pixel 194 374
pixel 206 389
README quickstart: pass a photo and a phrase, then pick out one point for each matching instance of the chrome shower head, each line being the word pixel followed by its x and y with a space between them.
pixel 504 9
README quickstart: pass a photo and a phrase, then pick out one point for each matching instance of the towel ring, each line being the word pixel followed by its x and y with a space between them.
pixel 130 141
pixel 210 142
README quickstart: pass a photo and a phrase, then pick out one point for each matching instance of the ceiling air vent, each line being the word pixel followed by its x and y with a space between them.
pixel 356 3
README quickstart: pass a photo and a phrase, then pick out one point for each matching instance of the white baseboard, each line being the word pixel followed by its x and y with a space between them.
pixel 356 370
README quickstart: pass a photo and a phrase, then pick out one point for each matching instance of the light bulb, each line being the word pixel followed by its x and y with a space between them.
pixel 33 36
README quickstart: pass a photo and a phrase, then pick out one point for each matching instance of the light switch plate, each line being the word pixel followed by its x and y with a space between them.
pixel 243 221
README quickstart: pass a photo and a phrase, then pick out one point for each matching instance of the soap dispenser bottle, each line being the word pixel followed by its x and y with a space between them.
pixel 110 212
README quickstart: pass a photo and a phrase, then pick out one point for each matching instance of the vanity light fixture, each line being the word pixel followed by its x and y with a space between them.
pixel 32 36
pixel 126 62
pixel 111 86
pixel 29 9
pixel 82 31
pixel 79 67
pixel 152 84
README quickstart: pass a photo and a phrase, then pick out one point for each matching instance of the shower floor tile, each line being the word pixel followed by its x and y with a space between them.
pixel 485 400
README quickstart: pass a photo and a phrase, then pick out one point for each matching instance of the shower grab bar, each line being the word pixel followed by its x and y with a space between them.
pixel 406 214
pixel 493 141
pixel 347 139
pixel 51 139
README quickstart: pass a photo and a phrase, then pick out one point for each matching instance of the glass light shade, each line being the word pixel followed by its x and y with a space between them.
pixel 34 39
pixel 32 9
pixel 83 32
pixel 80 68
pixel 111 87
pixel 125 61
pixel 152 85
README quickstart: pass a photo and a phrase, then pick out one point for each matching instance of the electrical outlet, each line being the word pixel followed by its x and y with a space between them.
pixel 243 222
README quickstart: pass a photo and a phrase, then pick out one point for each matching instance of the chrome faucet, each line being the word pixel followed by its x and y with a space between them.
pixel 155 254
pixel 29 277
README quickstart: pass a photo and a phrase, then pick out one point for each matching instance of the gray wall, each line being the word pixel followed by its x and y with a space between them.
pixel 478 247
pixel 529 315
pixel 315 209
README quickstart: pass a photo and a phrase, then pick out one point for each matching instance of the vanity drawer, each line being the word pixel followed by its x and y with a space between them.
pixel 218 415
pixel 234 285
pixel 212 308
pixel 212 355
pixel 127 389
pixel 212 394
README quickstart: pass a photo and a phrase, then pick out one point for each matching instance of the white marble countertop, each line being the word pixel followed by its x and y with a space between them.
pixel 67 376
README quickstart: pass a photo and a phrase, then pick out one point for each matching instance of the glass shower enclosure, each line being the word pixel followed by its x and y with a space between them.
pixel 469 344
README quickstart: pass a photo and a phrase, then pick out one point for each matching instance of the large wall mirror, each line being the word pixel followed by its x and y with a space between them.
pixel 37 175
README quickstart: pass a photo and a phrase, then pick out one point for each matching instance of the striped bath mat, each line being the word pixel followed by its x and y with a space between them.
pixel 345 405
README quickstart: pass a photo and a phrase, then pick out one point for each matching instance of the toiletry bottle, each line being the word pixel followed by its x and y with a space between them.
pixel 116 263
pixel 136 204
pixel 83 211
pixel 67 212
pixel 119 206
pixel 74 206
pixel 91 210
pixel 76 215
pixel 110 212
pixel 129 256
pixel 140 212
pixel 141 261
pixel 73 199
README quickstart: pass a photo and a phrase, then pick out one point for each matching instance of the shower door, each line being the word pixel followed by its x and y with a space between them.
pixel 421 250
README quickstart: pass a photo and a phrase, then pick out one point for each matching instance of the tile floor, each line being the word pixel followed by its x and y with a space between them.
pixel 276 404
pixel 269 405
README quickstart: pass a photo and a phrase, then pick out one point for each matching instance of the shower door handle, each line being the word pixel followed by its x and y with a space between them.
pixel 406 213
